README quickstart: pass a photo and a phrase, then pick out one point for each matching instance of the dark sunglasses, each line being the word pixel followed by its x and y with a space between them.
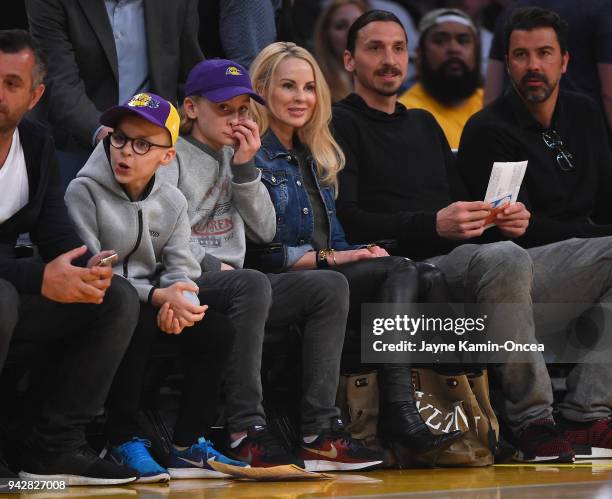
pixel 564 158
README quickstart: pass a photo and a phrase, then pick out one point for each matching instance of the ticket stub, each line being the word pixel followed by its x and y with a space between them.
pixel 504 186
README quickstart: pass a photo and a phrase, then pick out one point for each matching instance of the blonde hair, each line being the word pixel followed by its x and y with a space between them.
pixel 315 134
pixel 339 79
pixel 186 125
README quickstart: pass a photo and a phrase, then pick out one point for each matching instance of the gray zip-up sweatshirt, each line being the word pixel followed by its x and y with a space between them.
pixel 151 235
pixel 226 202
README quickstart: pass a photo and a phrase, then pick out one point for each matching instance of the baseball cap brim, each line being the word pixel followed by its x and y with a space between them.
pixel 227 93
pixel 113 115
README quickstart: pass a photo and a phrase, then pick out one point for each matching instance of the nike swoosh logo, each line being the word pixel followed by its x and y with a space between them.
pixel 198 464
pixel 332 454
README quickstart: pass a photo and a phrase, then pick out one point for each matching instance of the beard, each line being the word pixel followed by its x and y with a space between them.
pixel 535 95
pixel 447 87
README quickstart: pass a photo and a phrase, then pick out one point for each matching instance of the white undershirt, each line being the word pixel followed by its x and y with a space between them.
pixel 14 190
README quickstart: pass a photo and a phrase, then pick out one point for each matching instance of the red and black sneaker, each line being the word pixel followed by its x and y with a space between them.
pixel 541 442
pixel 591 440
pixel 261 449
pixel 335 450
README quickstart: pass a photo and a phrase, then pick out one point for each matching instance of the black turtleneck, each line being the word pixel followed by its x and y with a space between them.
pixel 399 172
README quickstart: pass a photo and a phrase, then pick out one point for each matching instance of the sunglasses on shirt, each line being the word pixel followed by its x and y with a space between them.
pixel 564 158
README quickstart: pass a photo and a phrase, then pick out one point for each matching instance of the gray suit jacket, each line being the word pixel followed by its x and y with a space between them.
pixel 82 81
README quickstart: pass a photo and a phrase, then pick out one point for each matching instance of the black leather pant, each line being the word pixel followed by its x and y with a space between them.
pixel 392 280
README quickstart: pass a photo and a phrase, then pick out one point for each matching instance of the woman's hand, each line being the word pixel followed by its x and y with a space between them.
pixel 353 256
pixel 377 250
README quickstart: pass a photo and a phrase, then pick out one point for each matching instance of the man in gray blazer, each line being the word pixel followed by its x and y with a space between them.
pixel 100 53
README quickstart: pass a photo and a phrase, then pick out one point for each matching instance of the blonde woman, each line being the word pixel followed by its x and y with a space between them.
pixel 300 161
pixel 330 42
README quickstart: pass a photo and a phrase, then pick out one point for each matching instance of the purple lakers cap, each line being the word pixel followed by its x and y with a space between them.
pixel 220 80
pixel 151 107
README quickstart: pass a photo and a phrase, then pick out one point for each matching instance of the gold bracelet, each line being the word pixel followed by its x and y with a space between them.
pixel 322 255
pixel 333 254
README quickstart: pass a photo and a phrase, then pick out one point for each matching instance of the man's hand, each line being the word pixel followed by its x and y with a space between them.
pixel 462 219
pixel 65 283
pixel 513 220
pixel 225 266
pixel 246 134
pixel 103 274
pixel 104 131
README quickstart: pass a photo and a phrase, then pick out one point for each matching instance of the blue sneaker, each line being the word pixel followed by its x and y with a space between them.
pixel 135 455
pixel 194 462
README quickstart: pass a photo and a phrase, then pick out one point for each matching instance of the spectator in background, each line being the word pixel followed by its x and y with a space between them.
pixel 449 71
pixel 476 10
pixel 246 27
pixel 15 17
pixel 330 43
pixel 102 52
pixel 589 44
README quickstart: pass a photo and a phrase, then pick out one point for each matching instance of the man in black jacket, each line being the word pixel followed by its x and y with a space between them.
pixel 400 183
pixel 65 298
pixel 102 53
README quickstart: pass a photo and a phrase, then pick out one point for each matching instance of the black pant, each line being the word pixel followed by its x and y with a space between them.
pixel 205 349
pixel 318 302
pixel 392 280
pixel 92 341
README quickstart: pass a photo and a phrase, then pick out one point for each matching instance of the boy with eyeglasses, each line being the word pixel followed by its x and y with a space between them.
pixel 117 197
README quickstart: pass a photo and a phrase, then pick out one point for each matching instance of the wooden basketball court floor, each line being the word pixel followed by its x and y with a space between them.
pixel 581 480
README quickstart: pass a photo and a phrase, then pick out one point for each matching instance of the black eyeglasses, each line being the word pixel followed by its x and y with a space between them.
pixel 139 146
pixel 564 158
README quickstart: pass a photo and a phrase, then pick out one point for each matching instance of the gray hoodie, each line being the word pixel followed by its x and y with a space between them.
pixel 225 202
pixel 151 235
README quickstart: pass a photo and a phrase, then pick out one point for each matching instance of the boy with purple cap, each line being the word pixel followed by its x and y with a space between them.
pixel 117 197
pixel 227 203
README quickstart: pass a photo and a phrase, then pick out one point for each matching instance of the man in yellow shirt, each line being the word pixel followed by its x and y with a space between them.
pixel 448 61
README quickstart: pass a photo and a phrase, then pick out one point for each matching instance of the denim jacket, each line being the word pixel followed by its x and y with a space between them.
pixel 280 173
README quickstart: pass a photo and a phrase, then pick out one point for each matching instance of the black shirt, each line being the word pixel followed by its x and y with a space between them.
pixel 399 172
pixel 563 203
pixel 45 216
